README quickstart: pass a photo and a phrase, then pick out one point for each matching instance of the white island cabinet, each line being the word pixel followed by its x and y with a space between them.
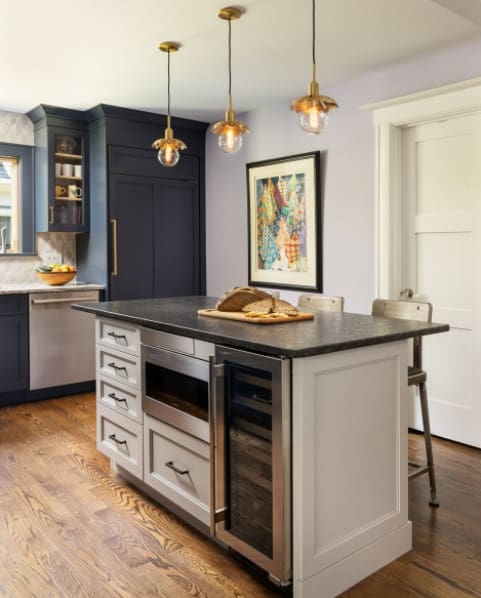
pixel 349 466
pixel 346 507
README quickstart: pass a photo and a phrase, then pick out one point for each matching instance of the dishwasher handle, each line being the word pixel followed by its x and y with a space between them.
pixel 62 300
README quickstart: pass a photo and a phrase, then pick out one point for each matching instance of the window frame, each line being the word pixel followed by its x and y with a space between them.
pixel 25 208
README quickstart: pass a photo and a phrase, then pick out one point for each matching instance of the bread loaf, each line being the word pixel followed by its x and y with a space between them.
pixel 265 306
pixel 236 298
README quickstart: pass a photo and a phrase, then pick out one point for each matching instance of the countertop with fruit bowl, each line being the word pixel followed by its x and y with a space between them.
pixel 15 288
pixel 65 272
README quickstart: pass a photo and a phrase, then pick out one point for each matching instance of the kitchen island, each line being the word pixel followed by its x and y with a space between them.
pixel 346 421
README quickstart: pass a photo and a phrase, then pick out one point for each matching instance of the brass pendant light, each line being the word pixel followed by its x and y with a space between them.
pixel 313 108
pixel 168 147
pixel 230 131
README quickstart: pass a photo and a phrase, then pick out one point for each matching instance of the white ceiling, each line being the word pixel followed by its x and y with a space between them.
pixel 79 54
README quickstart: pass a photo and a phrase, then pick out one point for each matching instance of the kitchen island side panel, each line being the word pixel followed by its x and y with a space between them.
pixel 349 473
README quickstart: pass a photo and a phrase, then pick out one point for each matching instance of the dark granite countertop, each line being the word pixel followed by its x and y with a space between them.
pixel 327 333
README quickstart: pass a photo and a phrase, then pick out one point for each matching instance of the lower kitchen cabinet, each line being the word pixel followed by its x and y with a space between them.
pixel 13 348
pixel 119 415
pixel 120 438
pixel 177 465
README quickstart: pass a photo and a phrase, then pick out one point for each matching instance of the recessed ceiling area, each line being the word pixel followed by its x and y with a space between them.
pixel 79 54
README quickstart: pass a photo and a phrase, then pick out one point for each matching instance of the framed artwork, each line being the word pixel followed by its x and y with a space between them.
pixel 285 222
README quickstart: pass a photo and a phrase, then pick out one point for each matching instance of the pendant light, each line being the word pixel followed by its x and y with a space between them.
pixel 230 131
pixel 313 109
pixel 168 147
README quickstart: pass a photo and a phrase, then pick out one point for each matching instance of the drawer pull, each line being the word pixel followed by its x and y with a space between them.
pixel 117 367
pixel 170 465
pixel 116 336
pixel 115 439
pixel 115 398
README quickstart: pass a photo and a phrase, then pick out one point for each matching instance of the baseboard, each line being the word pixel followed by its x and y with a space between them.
pixel 60 391
pixel 343 575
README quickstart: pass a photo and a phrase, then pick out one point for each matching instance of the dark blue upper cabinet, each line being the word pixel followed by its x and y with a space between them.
pixel 61 170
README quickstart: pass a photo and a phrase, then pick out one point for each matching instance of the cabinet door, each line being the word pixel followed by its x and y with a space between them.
pixel 131 255
pixel 68 180
pixel 176 239
pixel 14 352
pixel 155 237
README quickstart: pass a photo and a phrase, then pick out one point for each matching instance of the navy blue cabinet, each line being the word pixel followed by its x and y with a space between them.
pixel 61 170
pixel 13 348
pixel 147 228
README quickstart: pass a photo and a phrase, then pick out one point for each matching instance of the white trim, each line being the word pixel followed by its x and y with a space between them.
pixel 389 118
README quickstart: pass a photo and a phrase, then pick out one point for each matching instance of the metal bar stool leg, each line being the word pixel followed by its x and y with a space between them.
pixel 423 395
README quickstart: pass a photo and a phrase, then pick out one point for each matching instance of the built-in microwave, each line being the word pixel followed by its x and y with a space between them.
pixel 175 383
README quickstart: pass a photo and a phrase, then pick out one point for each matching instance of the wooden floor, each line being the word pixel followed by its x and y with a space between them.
pixel 70 527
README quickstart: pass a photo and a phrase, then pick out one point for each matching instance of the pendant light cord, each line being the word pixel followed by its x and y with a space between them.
pixel 230 58
pixel 168 83
pixel 313 31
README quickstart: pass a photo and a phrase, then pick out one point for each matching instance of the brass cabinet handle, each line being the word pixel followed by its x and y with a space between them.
pixel 51 215
pixel 114 246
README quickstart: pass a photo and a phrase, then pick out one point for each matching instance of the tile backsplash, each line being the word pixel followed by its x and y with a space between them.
pixel 50 247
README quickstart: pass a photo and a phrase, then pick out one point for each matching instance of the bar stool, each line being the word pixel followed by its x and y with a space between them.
pixel 320 303
pixel 422 312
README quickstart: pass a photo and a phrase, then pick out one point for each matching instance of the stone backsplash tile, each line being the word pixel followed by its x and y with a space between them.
pixel 50 247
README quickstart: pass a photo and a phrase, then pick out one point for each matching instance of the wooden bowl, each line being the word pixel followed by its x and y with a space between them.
pixel 56 278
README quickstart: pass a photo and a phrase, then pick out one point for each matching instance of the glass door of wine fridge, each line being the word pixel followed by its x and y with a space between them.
pixel 252 458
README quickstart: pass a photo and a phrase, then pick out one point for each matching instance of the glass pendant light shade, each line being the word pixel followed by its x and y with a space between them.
pixel 230 130
pixel 313 108
pixel 168 154
pixel 168 147
pixel 313 121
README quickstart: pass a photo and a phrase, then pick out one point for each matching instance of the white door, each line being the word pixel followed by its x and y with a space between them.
pixel 441 262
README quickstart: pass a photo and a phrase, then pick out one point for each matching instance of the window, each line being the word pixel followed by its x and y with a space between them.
pixel 16 198
pixel 8 204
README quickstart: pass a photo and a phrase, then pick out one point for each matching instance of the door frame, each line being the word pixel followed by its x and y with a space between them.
pixel 389 118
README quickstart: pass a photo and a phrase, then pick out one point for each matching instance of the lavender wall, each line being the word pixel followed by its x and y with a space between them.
pixel 349 177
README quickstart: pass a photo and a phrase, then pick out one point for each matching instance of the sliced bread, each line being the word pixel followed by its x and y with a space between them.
pixel 236 298
pixel 271 305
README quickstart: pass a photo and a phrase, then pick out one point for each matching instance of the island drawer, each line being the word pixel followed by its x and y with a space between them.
pixel 123 368
pixel 119 397
pixel 120 439
pixel 118 335
pixel 177 466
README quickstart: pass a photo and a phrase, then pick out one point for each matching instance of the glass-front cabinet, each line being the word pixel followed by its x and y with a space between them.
pixel 67 207
pixel 61 170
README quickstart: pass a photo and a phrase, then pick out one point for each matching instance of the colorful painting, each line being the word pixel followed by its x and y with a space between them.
pixel 283 222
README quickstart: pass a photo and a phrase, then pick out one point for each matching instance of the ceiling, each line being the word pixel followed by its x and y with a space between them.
pixel 79 54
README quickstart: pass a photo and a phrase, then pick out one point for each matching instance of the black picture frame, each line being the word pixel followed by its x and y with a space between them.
pixel 284 222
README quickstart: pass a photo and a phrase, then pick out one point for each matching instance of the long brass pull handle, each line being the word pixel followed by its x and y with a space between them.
pixel 51 215
pixel 114 246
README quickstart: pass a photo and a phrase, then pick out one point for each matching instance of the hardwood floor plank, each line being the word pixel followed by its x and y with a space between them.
pixel 70 527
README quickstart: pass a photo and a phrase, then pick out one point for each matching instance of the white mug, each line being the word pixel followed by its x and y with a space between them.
pixel 58 169
pixel 67 169
pixel 77 171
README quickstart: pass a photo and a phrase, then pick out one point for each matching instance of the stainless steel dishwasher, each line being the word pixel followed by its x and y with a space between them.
pixel 62 340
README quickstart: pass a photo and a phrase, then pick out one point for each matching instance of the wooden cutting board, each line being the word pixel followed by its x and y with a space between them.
pixel 241 317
